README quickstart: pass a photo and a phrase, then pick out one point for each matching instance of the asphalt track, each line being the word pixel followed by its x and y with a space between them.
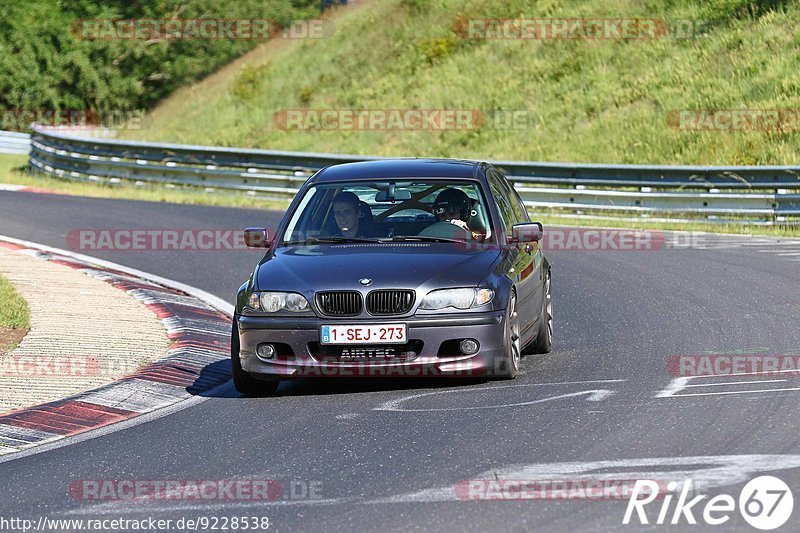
pixel 385 455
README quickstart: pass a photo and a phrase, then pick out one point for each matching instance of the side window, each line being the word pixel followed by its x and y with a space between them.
pixel 520 207
pixel 520 213
pixel 503 201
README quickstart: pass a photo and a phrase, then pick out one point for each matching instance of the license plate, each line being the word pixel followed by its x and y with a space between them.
pixel 363 334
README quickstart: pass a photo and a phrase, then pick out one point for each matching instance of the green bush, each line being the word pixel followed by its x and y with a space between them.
pixel 306 95
pixel 46 64
pixel 250 82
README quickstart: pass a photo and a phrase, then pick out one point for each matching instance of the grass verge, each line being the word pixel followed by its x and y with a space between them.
pixel 13 170
pixel 13 308
pixel 14 317
pixel 582 100
pixel 697 226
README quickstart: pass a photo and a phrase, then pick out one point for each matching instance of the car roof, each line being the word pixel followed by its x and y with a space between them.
pixel 401 168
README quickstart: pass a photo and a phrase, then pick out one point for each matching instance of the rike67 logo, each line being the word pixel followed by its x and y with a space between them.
pixel 765 503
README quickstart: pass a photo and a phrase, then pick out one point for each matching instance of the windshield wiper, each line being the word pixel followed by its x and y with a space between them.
pixel 334 239
pixel 420 238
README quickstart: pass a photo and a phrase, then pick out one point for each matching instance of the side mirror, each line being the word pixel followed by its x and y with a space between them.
pixel 527 232
pixel 256 238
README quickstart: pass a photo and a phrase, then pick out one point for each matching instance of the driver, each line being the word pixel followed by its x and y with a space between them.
pixel 453 206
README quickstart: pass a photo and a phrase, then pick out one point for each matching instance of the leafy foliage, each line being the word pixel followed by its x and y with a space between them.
pixel 46 63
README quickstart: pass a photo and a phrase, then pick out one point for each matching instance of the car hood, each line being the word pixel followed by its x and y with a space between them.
pixel 391 265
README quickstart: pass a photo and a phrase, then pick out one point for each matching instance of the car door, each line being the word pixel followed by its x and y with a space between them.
pixel 534 252
pixel 522 257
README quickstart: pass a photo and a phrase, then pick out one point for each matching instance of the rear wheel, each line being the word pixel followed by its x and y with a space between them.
pixel 244 382
pixel 509 365
pixel 544 338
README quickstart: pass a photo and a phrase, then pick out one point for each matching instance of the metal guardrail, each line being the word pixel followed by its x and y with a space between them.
pixel 766 194
pixel 14 143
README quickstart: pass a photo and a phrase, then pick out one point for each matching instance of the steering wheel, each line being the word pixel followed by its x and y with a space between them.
pixel 446 230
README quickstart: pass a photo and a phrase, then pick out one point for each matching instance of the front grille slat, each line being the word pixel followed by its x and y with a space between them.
pixel 340 303
pixel 383 302
pixel 390 302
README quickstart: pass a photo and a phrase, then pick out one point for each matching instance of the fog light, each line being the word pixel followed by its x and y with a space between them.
pixel 265 351
pixel 469 346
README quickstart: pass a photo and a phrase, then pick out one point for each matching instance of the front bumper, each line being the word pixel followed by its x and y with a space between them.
pixel 438 337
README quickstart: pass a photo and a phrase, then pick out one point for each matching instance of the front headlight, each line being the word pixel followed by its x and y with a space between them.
pixel 458 298
pixel 273 302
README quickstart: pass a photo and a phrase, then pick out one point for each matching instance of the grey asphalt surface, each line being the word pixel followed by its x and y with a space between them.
pixel 618 316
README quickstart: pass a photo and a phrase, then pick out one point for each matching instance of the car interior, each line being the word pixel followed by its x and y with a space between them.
pixel 384 218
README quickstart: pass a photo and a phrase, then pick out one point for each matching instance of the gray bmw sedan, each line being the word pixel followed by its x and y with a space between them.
pixel 394 268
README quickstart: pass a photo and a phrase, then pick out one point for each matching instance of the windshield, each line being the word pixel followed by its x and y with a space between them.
pixel 390 210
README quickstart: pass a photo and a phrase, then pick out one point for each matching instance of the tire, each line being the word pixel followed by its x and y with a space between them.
pixel 509 366
pixel 544 338
pixel 244 382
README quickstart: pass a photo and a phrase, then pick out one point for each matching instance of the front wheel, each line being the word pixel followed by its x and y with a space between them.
pixel 244 382
pixel 509 365
pixel 544 338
